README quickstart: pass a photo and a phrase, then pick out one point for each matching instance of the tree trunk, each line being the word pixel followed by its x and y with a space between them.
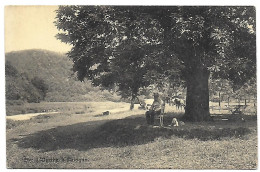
pixel 134 95
pixel 132 102
pixel 197 98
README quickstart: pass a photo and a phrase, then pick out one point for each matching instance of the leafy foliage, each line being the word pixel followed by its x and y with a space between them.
pixel 108 40
pixel 20 87
pixel 134 47
pixel 10 70
pixel 119 48
pixel 40 85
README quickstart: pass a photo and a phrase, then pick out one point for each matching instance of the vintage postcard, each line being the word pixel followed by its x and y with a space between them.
pixel 130 87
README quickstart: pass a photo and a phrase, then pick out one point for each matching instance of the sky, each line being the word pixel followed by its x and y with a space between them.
pixel 32 27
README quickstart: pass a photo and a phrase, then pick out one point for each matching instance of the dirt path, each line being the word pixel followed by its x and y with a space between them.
pixel 21 117
pixel 28 116
pixel 116 112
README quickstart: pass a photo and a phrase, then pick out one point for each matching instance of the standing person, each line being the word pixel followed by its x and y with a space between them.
pixel 168 99
pixel 155 109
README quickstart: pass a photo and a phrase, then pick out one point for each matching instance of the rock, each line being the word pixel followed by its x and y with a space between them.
pixel 106 113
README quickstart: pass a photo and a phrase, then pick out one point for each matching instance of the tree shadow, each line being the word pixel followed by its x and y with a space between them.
pixel 119 133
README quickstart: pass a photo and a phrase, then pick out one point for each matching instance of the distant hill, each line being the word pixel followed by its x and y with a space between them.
pixel 55 69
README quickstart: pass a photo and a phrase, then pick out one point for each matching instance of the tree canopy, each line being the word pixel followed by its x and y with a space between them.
pixel 135 46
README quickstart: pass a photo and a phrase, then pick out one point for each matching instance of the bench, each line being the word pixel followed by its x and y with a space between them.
pixel 236 109
pixel 160 118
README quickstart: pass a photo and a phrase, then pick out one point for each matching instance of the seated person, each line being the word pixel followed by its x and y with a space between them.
pixel 155 109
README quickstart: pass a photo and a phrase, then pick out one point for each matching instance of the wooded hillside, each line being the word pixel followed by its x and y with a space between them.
pixel 55 70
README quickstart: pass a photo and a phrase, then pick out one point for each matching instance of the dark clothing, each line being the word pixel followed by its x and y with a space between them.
pixel 150 116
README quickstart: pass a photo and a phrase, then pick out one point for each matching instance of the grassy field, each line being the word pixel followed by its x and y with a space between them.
pixel 80 137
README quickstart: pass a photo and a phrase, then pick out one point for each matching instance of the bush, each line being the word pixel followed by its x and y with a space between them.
pixel 40 85
pixel 14 102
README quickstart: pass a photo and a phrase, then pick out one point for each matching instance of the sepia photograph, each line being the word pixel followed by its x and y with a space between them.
pixel 130 87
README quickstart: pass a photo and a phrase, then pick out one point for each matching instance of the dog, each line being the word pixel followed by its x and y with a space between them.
pixel 175 122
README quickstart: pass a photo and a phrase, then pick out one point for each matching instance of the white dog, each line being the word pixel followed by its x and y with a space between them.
pixel 175 122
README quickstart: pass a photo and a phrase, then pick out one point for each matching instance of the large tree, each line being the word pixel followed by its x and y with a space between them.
pixel 124 45
pixel 210 39
pixel 113 45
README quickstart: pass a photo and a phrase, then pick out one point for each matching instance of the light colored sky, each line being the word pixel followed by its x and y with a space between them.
pixel 32 27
